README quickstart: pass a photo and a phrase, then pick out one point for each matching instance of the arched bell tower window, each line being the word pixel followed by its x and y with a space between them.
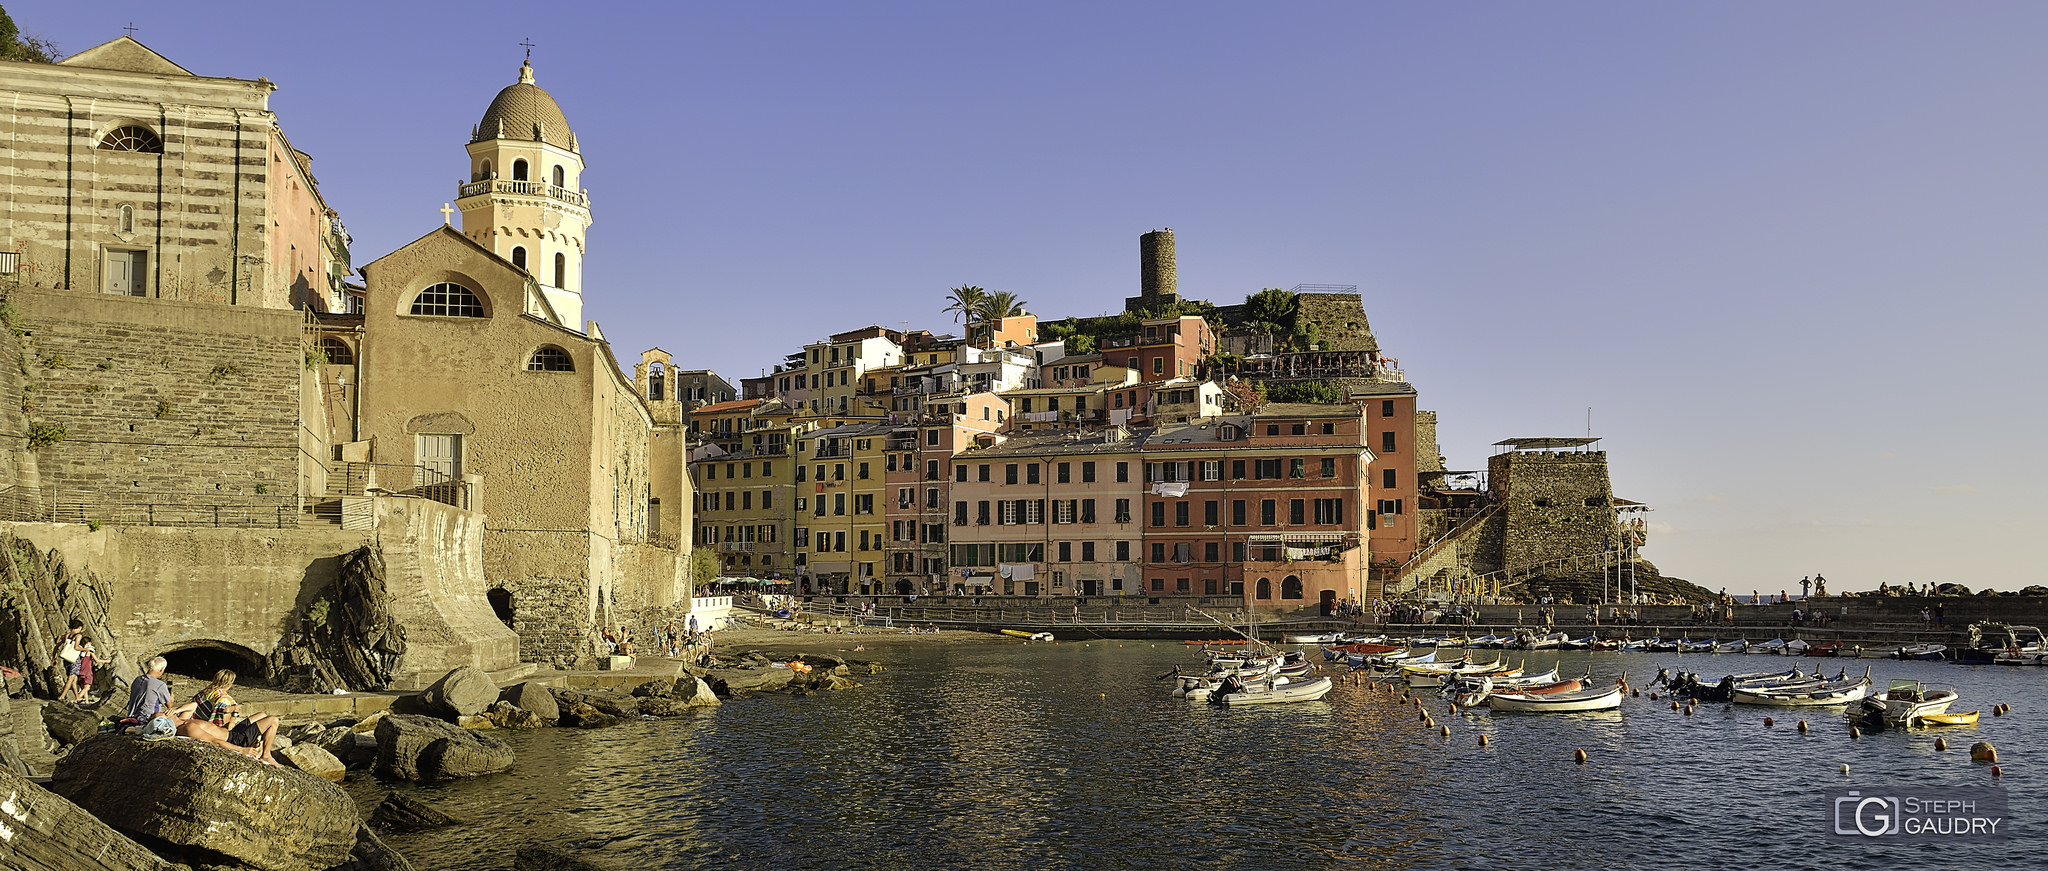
pixel 132 137
pixel 550 359
pixel 519 170
pixel 519 257
pixel 486 174
pixel 657 378
pixel 561 269
pixel 560 178
pixel 448 300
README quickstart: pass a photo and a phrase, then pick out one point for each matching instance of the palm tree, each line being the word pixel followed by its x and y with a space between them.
pixel 965 301
pixel 998 305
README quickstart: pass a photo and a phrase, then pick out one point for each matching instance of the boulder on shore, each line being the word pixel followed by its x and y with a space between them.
pixel 463 692
pixel 69 723
pixel 210 801
pixel 533 697
pixel 416 747
pixel 48 833
pixel 402 813
pixel 511 716
pixel 727 681
pixel 311 759
pixel 371 854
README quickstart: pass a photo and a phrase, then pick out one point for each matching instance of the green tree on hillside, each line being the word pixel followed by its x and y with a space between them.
pixel 29 49
pixel 1278 313
pixel 704 567
pixel 965 302
pixel 1000 304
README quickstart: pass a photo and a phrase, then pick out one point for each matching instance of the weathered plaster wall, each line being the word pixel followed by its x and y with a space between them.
pixel 1340 320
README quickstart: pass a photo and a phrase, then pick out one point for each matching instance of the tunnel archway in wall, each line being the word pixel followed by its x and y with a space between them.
pixel 501 604
pixel 198 660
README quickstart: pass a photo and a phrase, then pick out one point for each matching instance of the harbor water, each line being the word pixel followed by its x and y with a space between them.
pixel 1074 755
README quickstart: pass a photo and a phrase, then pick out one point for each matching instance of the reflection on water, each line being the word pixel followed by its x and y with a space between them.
pixel 1075 756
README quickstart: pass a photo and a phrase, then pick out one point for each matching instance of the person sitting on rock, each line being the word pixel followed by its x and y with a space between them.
pixel 150 694
pixel 215 706
pixel 211 733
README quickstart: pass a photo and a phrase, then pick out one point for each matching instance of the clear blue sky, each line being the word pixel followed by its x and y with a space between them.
pixel 1790 254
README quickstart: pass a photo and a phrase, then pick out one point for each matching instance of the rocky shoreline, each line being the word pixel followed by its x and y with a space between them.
pixel 116 801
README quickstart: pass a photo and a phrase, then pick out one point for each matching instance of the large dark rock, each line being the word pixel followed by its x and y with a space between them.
pixel 533 697
pixel 401 813
pixel 727 681
pixel 371 854
pixel 540 857
pixel 510 716
pixel 415 747
pixel 610 703
pixel 656 689
pixel 582 716
pixel 205 802
pixel 45 832
pixel 463 692
pixel 656 706
pixel 69 723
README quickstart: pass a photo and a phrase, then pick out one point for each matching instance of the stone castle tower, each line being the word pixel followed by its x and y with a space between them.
pixel 522 199
pixel 1158 279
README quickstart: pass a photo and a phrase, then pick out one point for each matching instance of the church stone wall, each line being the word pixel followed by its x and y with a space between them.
pixel 162 401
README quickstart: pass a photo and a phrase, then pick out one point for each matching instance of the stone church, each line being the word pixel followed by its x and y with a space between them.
pixel 476 361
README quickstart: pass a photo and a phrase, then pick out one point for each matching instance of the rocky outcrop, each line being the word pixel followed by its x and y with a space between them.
pixel 400 813
pixel 45 832
pixel 50 595
pixel 728 681
pixel 371 854
pixel 533 697
pixel 463 692
pixel 203 802
pixel 349 638
pixel 506 715
pixel 582 716
pixel 416 747
pixel 609 703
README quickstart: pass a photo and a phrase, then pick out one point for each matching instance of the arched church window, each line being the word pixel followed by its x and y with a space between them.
pixel 561 269
pixel 448 300
pixel 550 359
pixel 337 351
pixel 1290 588
pixel 132 137
pixel 560 177
pixel 519 257
pixel 486 174
pixel 519 170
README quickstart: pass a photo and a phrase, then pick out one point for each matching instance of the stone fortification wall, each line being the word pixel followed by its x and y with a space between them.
pixel 554 600
pixel 1557 505
pixel 1339 319
pixel 161 401
pixel 1429 459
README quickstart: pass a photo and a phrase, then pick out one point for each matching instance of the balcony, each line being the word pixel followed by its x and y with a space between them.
pixel 736 547
pixel 524 189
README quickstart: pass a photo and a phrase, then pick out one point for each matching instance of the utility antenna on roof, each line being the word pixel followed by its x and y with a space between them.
pixel 131 28
pixel 528 42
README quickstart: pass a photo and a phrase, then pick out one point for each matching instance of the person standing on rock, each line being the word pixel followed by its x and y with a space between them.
pixel 88 657
pixel 67 653
pixel 215 706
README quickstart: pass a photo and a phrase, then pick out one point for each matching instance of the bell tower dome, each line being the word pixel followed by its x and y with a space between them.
pixel 523 199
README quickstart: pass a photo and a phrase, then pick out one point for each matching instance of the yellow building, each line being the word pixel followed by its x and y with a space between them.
pixel 842 519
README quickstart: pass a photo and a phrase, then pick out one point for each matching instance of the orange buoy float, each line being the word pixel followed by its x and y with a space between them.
pixel 1579 756
pixel 1638 694
pixel 1982 751
pixel 1997 771
pixel 1802 727
pixel 1768 722
pixel 1653 697
pixel 1855 733
pixel 1444 731
pixel 1482 740
pixel 1940 745
pixel 1688 710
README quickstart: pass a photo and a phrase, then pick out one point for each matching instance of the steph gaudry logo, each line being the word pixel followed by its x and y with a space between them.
pixel 1918 814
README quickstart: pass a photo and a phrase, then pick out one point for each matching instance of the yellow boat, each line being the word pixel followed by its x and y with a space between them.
pixel 1026 634
pixel 1969 719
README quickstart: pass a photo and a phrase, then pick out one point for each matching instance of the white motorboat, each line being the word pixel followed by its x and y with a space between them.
pixel 1551 641
pixel 1795 647
pixel 1924 651
pixel 1271 693
pixel 1773 646
pixel 1737 646
pixel 1320 638
pixel 1603 699
pixel 1904 702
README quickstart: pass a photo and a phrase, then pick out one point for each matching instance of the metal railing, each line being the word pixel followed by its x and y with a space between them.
pixel 522 188
pixel 354 479
pixel 124 508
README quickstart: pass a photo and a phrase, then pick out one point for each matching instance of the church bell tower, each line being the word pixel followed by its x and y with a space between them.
pixel 523 199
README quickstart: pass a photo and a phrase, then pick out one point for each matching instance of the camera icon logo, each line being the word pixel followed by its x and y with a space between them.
pixel 1872 816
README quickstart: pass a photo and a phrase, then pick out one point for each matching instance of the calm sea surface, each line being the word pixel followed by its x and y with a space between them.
pixel 1074 756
